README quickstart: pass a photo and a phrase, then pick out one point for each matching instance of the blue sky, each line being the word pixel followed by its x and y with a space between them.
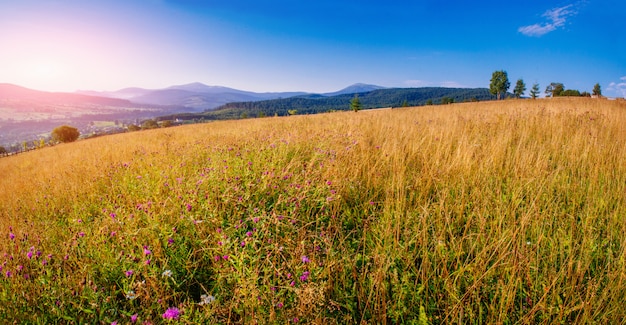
pixel 314 46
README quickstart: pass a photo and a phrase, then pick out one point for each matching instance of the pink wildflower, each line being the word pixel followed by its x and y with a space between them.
pixel 171 313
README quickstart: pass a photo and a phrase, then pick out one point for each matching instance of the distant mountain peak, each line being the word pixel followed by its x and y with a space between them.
pixel 355 88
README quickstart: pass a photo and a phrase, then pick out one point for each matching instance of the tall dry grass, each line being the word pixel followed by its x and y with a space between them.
pixel 494 212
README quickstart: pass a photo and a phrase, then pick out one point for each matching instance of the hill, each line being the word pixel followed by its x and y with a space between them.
pixel 508 212
pixel 195 96
pixel 315 103
pixel 27 114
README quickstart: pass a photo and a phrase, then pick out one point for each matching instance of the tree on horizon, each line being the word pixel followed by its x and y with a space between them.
pixel 534 91
pixel 520 88
pixel 355 103
pixel 597 91
pixel 499 83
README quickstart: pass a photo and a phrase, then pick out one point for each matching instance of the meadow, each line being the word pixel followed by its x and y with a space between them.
pixel 509 212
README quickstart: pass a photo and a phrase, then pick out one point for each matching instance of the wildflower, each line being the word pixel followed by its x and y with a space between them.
pixel 305 276
pixel 167 273
pixel 225 257
pixel 113 215
pixel 8 274
pixel 11 236
pixel 146 250
pixel 279 305
pixel 217 258
pixel 114 323
pixel 81 234
pixel 147 262
pixel 305 259
pixel 171 313
pixel 170 241
pixel 188 207
pixel 206 299
pixel 130 295
pixel 249 233
pixel 29 255
pixel 133 318
pixel 44 262
pixel 129 273
pixel 256 219
pixel 243 243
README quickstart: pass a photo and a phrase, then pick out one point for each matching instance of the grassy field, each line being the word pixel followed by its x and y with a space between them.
pixel 492 212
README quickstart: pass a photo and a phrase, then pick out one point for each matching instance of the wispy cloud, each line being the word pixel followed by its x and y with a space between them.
pixel 555 18
pixel 421 83
pixel 452 84
pixel 618 87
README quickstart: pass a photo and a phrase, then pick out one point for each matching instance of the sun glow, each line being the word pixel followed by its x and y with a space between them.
pixel 44 70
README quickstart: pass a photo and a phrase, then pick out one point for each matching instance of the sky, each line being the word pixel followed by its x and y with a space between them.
pixel 313 46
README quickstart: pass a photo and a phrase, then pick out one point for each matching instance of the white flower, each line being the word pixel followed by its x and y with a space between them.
pixel 206 299
pixel 166 273
pixel 131 295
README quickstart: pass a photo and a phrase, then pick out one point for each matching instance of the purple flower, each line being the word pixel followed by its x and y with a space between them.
pixel 171 313
pixel 249 233
pixel 29 254
pixel 305 259
pixel 256 219
pixel 133 318
pixel 147 262
pixel 225 257
pixel 113 215
pixel 170 241
pixel 114 323
pixel 129 273
pixel 8 274
pixel 81 234
pixel 146 250
pixel 305 276
pixel 188 207
pixel 279 305
pixel 11 235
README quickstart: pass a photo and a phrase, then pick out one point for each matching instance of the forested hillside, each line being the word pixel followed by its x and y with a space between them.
pixel 315 103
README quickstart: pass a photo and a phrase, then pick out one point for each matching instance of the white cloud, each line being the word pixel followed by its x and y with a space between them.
pixel 556 18
pixel 422 83
pixel 416 83
pixel 451 84
pixel 618 88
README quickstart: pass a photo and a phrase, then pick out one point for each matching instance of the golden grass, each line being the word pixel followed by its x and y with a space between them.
pixel 496 212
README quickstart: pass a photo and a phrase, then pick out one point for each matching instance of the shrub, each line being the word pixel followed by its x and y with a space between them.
pixel 65 133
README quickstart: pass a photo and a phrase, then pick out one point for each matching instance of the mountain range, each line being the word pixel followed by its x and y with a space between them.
pixel 27 114
pixel 200 97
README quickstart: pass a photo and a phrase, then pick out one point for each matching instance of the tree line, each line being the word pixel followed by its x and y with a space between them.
pixel 500 84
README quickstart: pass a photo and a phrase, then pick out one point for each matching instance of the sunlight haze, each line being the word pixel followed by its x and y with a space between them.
pixel 320 46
